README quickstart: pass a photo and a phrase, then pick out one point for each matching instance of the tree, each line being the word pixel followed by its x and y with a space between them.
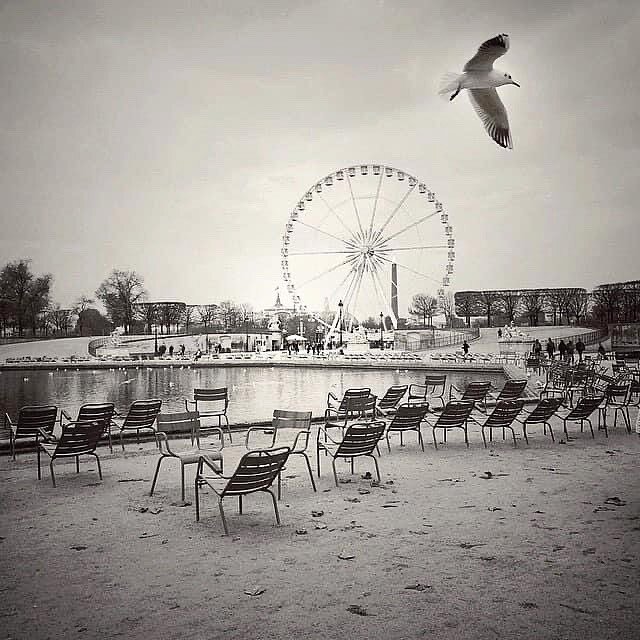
pixel 188 315
pixel 61 319
pixel 37 301
pixel 425 306
pixel 467 305
pixel 532 301
pixel 207 313
pixel 80 306
pixel 510 302
pixel 119 293
pixel 94 323
pixel 449 309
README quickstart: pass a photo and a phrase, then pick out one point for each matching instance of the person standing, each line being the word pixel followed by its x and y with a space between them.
pixel 562 348
pixel 551 349
pixel 537 348
pixel 570 350
pixel 580 347
pixel 465 347
pixel 602 352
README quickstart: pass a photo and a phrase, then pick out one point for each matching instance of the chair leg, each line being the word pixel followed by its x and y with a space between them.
pixel 155 477
pixel 590 427
pixel 38 456
pixel 484 439
pixel 335 475
pixel 388 444
pixel 77 464
pixel 551 432
pixel 524 432
pixel 53 477
pixel 99 467
pixel 513 434
pixel 182 479
pixel 121 440
pixel 433 434
pixel 420 440
pixel 275 506
pixel 466 436
pixel 240 504
pixel 224 520
pixel 197 498
pixel 313 482
pixel 375 462
pixel 12 443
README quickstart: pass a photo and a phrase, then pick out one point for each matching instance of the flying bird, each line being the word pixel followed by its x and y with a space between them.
pixel 481 79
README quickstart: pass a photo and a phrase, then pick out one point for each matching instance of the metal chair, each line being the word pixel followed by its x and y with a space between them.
pixel 169 423
pixel 616 397
pixel 256 471
pixel 141 417
pixel 95 412
pixel 77 439
pixel 541 414
pixel 32 422
pixel 558 379
pixel 356 404
pixel 433 389
pixel 359 439
pixel 512 390
pixel 476 391
pixel 502 417
pixel 532 363
pixel 210 403
pixel 455 415
pixel 581 413
pixel 407 418
pixel 388 404
pixel 287 425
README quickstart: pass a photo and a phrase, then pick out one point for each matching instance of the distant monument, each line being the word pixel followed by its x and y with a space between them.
pixel 514 339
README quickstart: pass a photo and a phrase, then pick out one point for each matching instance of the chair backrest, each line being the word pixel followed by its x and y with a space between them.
pixel 78 438
pixel 182 422
pixel 511 390
pixel 504 413
pixel 585 407
pixel 219 395
pixel 409 416
pixel 360 438
pixel 33 418
pixel 455 413
pixel 618 392
pixel 142 413
pixel 544 410
pixel 435 384
pixel 417 391
pixel 392 396
pixel 284 419
pixel 352 399
pixel 476 391
pixel 256 471
pixel 97 412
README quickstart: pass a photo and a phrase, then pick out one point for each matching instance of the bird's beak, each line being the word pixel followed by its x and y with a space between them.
pixel 514 82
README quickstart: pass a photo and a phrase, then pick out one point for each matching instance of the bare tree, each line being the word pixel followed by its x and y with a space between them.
pixel 207 313
pixel 119 293
pixel 423 306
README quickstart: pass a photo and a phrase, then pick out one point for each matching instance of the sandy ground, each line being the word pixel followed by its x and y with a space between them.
pixel 547 547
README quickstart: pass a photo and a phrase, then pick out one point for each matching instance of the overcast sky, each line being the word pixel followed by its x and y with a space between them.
pixel 174 138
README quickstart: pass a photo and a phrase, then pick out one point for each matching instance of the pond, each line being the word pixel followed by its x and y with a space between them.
pixel 253 391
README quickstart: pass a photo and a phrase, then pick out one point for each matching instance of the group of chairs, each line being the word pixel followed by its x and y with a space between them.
pixel 55 433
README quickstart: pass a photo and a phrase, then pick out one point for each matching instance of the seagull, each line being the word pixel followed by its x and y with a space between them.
pixel 481 79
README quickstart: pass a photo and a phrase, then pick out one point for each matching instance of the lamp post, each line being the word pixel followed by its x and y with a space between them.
pixel 155 341
pixel 381 327
pixel 246 330
pixel 340 321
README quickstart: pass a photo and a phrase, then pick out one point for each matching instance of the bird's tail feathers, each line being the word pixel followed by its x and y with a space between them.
pixel 449 84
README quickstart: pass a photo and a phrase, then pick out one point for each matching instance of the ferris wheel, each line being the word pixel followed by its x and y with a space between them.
pixel 350 230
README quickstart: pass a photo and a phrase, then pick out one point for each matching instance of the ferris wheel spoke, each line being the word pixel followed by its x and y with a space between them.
pixel 338 218
pixel 320 253
pixel 407 228
pixel 326 272
pixel 423 275
pixel 385 249
pixel 375 207
pixel 348 243
pixel 355 206
pixel 381 293
pixel 393 213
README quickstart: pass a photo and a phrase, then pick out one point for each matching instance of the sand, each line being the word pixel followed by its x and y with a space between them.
pixel 547 547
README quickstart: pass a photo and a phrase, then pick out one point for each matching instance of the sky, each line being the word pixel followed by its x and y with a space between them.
pixel 174 139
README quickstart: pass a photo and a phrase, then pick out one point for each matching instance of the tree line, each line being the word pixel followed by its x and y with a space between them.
pixel 607 303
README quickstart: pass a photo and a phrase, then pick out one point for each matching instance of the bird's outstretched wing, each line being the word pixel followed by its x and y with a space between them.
pixel 489 107
pixel 488 53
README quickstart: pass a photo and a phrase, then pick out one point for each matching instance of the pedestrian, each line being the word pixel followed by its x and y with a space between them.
pixel 580 349
pixel 551 349
pixel 537 348
pixel 570 351
pixel 499 334
pixel 182 349
pixel 171 350
pixel 602 352
pixel 562 348
pixel 465 347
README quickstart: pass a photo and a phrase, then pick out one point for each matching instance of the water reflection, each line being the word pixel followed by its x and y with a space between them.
pixel 253 392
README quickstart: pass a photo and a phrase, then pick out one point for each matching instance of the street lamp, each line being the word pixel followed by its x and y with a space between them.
pixel 381 327
pixel 155 342
pixel 340 320
pixel 246 330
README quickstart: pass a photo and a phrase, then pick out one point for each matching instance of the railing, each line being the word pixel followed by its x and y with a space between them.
pixel 422 339
pixel 94 345
pixel 590 337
